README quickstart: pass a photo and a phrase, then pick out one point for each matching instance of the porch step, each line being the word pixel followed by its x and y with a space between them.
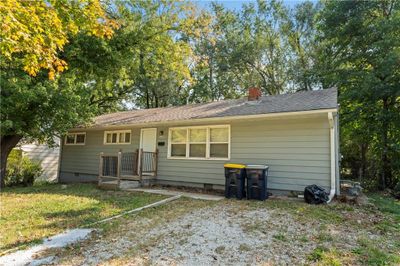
pixel 109 185
pixel 124 185
pixel 130 177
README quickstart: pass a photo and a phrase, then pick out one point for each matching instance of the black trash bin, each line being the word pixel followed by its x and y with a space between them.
pixel 235 175
pixel 256 175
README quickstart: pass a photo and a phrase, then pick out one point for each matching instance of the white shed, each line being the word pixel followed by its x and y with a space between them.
pixel 47 156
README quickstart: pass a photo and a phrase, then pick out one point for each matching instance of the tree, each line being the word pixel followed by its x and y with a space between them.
pixel 363 40
pixel 32 38
pixel 159 64
pixel 260 45
pixel 301 33
pixel 37 108
pixel 101 72
pixel 263 48
pixel 34 32
pixel 213 76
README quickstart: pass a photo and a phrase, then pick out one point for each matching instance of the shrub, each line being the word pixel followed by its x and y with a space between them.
pixel 21 170
pixel 396 190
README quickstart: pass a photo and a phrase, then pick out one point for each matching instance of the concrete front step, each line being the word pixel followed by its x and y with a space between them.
pixel 108 185
pixel 124 185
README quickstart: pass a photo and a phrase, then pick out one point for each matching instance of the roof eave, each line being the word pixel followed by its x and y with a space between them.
pixel 212 119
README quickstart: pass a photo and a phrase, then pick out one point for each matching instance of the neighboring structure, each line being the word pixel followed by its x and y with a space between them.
pixel 295 134
pixel 47 156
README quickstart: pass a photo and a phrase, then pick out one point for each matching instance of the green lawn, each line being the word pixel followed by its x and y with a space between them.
pixel 31 213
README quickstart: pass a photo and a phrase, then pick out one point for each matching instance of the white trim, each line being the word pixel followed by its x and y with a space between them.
pixel 337 150
pixel 141 136
pixel 207 143
pixel 117 132
pixel 332 155
pixel 213 119
pixel 60 152
pixel 141 144
pixel 75 136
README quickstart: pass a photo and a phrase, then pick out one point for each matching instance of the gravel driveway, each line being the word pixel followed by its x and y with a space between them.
pixel 224 233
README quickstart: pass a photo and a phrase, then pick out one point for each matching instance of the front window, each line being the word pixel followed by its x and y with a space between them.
pixel 209 142
pixel 178 143
pixel 117 137
pixel 219 142
pixel 75 138
pixel 197 142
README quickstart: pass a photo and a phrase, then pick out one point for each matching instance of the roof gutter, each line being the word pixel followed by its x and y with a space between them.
pixel 212 119
pixel 333 156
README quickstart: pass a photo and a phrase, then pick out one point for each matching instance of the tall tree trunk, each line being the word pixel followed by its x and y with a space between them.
pixel 363 161
pixel 147 99
pixel 385 166
pixel 210 65
pixel 143 79
pixel 156 102
pixel 7 144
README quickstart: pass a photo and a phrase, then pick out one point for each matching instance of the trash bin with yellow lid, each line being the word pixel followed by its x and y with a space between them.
pixel 235 176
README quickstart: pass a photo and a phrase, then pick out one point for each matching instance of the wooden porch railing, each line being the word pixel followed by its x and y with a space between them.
pixel 127 165
pixel 148 162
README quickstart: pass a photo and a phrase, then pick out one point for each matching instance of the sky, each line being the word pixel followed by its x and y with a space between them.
pixel 236 4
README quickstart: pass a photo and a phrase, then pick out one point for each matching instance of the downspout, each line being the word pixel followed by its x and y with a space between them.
pixel 333 156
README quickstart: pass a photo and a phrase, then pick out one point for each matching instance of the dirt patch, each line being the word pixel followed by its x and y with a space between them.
pixel 208 191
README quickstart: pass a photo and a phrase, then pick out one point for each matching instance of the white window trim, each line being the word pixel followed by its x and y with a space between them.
pixel 74 133
pixel 117 131
pixel 207 158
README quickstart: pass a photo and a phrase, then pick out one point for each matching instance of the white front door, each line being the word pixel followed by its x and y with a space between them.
pixel 148 142
pixel 148 139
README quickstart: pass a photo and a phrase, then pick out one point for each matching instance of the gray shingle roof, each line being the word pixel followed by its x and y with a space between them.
pixel 294 102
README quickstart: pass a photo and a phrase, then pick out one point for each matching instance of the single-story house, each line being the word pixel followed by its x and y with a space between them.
pixel 296 135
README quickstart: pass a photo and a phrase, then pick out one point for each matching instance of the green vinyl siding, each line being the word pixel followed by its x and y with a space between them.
pixel 296 150
pixel 84 159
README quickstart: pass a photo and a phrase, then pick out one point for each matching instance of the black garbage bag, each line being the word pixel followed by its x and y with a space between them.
pixel 315 195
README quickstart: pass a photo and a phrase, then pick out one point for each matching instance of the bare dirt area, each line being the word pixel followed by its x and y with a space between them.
pixel 275 232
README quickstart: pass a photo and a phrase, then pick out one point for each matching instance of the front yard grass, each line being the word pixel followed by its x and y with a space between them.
pixel 30 213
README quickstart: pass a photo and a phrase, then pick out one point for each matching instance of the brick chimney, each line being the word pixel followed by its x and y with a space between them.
pixel 254 94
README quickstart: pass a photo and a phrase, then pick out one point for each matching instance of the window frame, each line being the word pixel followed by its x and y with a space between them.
pixel 75 138
pixel 208 143
pixel 117 132
pixel 189 142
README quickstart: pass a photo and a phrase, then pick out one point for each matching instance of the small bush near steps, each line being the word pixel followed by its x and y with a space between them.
pixel 21 170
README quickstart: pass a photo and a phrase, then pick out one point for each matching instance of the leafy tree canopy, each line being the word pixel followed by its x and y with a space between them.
pixel 169 53
pixel 101 72
pixel 34 32
pixel 362 41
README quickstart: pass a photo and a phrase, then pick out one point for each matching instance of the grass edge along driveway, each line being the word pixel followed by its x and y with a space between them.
pixel 28 214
